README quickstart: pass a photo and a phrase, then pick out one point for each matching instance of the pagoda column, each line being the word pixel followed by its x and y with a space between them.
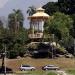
pixel 42 25
pixel 32 29
pixel 38 26
pixel 30 24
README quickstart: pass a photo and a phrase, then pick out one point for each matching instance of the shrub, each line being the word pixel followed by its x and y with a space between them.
pixel 13 54
pixel 21 53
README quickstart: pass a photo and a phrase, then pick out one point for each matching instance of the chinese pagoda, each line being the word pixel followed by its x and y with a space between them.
pixel 37 24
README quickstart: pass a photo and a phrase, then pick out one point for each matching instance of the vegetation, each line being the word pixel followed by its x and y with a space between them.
pixel 59 28
pixel 15 20
pixel 13 38
pixel 61 24
pixel 51 8
pixel 31 10
pixel 51 73
pixel 65 6
pixel 66 9
pixel 71 71
pixel 36 72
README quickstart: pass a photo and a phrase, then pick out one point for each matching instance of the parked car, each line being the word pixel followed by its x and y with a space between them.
pixel 69 55
pixel 26 67
pixel 50 67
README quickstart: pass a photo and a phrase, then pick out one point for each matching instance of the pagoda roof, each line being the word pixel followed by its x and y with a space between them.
pixel 40 9
pixel 39 14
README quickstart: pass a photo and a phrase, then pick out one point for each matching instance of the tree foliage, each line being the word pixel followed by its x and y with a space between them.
pixel 51 8
pixel 31 10
pixel 60 25
pixel 15 43
pixel 64 6
pixel 15 20
pixel 67 6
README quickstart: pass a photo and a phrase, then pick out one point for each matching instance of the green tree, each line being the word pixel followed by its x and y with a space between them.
pixel 51 7
pixel 31 10
pixel 14 43
pixel 67 6
pixel 18 42
pixel 1 24
pixel 22 36
pixel 15 20
pixel 60 25
pixel 73 29
pixel 1 28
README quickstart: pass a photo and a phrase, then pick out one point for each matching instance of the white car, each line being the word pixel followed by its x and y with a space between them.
pixel 50 67
pixel 26 67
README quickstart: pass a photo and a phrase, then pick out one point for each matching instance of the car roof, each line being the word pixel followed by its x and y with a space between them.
pixel 25 65
pixel 50 65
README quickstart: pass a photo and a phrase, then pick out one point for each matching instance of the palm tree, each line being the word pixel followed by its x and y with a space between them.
pixel 1 24
pixel 15 20
pixel 31 10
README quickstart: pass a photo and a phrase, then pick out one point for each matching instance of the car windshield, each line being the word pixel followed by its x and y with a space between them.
pixel 25 66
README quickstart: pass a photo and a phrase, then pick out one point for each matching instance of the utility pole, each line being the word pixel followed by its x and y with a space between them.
pixel 52 52
pixel 5 62
pixel 74 47
pixel 52 46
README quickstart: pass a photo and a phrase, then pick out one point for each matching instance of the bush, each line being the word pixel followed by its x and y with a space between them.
pixel 61 50
pixel 21 53
pixel 71 71
pixel 40 54
pixel 13 54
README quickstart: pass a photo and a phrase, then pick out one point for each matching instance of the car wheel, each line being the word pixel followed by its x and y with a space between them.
pixel 46 69
pixel 32 69
pixel 57 69
pixel 21 69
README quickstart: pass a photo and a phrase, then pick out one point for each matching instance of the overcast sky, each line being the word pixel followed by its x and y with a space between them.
pixel 6 6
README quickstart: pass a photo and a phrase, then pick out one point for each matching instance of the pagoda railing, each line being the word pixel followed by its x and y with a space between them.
pixel 36 35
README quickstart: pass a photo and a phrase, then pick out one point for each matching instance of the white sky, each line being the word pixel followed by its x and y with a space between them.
pixel 3 2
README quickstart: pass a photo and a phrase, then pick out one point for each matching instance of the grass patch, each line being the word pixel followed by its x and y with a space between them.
pixel 31 72
pixel 36 72
pixel 22 72
pixel 51 73
pixel 71 71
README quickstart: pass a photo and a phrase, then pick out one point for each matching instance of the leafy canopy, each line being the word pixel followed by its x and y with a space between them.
pixel 59 25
